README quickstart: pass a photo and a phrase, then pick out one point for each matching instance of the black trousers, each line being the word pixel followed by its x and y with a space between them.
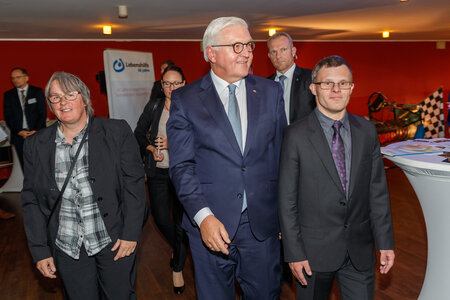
pixel 98 276
pixel 162 195
pixel 353 284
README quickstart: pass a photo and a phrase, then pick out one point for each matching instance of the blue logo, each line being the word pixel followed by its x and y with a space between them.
pixel 118 65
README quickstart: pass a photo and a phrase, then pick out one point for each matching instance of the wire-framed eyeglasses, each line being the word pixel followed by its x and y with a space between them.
pixel 329 85
pixel 70 96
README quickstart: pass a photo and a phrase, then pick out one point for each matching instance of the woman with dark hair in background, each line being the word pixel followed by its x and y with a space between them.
pixel 151 135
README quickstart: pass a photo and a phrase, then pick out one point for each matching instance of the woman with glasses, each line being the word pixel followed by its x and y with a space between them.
pixel 151 135
pixel 83 196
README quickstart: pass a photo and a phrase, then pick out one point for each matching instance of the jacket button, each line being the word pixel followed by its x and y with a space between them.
pixel 343 203
pixel 239 196
pixel 346 225
pixel 92 179
pixel 99 198
pixel 105 215
pixel 244 169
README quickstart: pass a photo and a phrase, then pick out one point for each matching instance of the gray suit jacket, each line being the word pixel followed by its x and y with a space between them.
pixel 302 101
pixel 116 178
pixel 318 222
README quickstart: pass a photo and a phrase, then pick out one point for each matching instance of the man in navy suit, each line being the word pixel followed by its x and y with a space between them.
pixel 298 99
pixel 24 109
pixel 224 135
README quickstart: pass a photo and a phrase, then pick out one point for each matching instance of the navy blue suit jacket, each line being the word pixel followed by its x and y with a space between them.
pixel 206 165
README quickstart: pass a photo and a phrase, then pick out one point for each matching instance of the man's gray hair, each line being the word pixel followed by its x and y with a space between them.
pixel 278 35
pixel 69 83
pixel 215 27
pixel 330 61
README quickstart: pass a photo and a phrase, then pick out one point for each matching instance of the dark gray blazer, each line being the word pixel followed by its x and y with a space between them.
pixel 302 101
pixel 116 177
pixel 318 223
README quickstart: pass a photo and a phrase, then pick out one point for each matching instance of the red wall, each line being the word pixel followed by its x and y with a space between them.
pixel 406 72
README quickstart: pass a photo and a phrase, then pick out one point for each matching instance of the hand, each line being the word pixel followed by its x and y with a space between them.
pixel 47 267
pixel 297 270
pixel 156 156
pixel 161 142
pixel 126 248
pixel 214 234
pixel 25 133
pixel 386 260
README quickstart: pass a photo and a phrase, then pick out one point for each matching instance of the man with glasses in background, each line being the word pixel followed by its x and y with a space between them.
pixel 224 135
pixel 333 196
pixel 24 109
pixel 295 81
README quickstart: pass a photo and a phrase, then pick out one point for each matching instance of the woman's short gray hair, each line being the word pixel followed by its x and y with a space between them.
pixel 212 31
pixel 69 83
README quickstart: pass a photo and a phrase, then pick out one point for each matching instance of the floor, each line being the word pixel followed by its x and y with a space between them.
pixel 20 280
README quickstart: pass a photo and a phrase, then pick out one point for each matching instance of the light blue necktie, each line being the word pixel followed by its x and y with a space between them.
pixel 235 120
pixel 234 115
pixel 282 78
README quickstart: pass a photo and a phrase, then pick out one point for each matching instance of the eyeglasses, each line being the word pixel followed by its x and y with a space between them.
pixel 238 47
pixel 329 85
pixel 168 84
pixel 17 77
pixel 70 96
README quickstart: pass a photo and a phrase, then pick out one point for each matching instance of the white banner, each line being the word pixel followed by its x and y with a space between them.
pixel 129 80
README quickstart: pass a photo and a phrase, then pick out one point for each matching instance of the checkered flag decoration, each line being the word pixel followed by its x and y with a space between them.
pixel 433 115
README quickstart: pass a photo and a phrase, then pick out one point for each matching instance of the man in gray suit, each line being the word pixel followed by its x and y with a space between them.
pixel 295 81
pixel 333 196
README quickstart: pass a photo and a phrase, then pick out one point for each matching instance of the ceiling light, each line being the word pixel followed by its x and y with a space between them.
pixel 404 0
pixel 385 34
pixel 107 29
pixel 123 11
pixel 272 31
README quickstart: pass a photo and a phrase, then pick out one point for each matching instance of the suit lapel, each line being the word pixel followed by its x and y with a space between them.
pixel 213 104
pixel 322 149
pixel 253 111
pixel 295 82
pixel 46 152
pixel 357 138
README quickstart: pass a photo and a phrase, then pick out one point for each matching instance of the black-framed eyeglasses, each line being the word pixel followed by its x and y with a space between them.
pixel 168 84
pixel 70 96
pixel 238 47
pixel 329 85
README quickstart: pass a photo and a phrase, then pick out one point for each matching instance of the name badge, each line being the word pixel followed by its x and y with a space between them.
pixel 32 100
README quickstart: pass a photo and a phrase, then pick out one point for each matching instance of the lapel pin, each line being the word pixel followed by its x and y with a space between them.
pixel 254 91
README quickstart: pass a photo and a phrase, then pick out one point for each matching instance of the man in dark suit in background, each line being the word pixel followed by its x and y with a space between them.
pixel 224 135
pixel 24 109
pixel 298 100
pixel 333 196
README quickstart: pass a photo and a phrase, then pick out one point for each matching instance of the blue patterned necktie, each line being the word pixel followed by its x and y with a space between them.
pixel 338 152
pixel 282 78
pixel 234 115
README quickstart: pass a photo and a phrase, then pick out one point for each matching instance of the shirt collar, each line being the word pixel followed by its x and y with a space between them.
pixel 327 122
pixel 61 139
pixel 23 89
pixel 221 84
pixel 289 73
